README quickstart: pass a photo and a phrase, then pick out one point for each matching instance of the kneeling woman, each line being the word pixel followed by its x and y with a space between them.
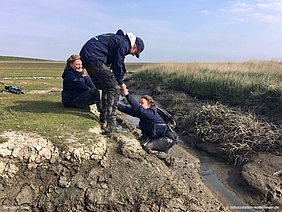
pixel 154 137
pixel 78 89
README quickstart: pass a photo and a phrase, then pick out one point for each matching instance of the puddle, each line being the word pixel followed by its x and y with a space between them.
pixel 209 168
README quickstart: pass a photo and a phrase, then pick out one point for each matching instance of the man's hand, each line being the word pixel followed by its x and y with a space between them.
pixel 122 87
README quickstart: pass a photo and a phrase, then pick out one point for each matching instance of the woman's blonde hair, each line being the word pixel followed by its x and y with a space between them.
pixel 149 99
pixel 73 58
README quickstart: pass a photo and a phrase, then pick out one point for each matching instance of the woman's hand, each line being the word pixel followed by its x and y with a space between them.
pixel 124 92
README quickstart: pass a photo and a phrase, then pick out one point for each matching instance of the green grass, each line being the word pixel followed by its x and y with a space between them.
pixel 256 84
pixel 44 114
pixel 39 109
pixel 31 69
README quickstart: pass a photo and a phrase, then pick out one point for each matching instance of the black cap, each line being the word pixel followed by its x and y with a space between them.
pixel 140 44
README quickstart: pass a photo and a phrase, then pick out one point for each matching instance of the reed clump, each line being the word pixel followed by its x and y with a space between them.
pixel 236 135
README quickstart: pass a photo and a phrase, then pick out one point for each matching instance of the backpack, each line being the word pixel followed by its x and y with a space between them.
pixel 14 89
pixel 170 122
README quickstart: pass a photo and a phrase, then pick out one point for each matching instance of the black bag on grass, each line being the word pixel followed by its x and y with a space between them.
pixel 14 89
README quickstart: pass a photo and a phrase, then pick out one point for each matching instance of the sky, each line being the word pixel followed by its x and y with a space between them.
pixel 173 31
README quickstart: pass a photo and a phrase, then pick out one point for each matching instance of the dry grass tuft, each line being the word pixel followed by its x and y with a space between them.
pixel 238 136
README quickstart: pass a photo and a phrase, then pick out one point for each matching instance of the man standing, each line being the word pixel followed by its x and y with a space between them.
pixel 103 57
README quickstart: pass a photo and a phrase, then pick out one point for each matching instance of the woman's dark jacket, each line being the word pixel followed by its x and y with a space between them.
pixel 110 49
pixel 74 84
pixel 151 124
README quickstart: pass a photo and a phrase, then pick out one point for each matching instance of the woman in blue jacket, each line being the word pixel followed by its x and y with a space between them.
pixel 78 89
pixel 154 137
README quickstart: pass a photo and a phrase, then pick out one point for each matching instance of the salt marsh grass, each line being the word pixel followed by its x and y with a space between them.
pixel 252 83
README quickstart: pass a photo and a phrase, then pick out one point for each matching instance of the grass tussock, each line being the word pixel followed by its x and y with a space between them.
pixel 238 136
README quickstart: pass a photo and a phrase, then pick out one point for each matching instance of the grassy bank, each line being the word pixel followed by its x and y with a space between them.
pixel 39 109
pixel 254 84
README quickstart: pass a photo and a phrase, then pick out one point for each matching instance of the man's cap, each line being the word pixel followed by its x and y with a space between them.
pixel 140 44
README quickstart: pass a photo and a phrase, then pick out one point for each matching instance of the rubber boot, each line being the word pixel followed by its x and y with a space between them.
pixel 165 157
pixel 112 126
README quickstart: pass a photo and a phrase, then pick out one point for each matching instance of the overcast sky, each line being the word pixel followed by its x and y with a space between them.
pixel 173 31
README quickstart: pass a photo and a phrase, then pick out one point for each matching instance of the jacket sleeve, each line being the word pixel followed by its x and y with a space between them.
pixel 119 53
pixel 80 86
pixel 89 82
pixel 118 65
pixel 135 109
pixel 74 84
pixel 148 114
pixel 127 110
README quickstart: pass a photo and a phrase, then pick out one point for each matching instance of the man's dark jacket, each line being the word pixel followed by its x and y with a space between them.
pixel 110 49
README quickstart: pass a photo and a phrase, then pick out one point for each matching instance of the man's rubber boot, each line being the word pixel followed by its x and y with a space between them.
pixel 113 127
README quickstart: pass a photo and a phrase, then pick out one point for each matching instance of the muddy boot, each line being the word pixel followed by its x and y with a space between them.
pixel 159 154
pixel 165 157
pixel 103 121
pixel 113 127
pixel 143 140
pixel 169 160
pixel 103 124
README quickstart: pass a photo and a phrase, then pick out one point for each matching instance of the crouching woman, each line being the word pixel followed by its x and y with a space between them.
pixel 78 89
pixel 155 138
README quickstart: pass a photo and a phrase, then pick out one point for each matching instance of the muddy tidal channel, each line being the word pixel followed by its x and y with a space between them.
pixel 209 171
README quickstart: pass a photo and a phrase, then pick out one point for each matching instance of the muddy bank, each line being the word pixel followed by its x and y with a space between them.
pixel 114 174
pixel 257 182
